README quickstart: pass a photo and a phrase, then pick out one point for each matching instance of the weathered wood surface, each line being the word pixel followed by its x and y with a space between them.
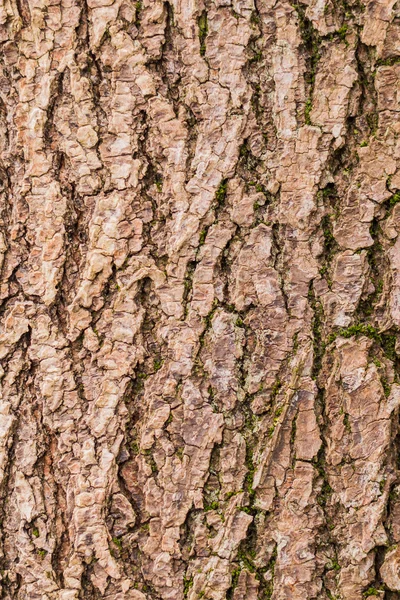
pixel 200 294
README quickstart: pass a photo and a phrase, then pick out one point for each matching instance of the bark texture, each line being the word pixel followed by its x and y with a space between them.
pixel 200 299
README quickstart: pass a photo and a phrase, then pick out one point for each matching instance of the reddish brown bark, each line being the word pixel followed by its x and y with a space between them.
pixel 200 300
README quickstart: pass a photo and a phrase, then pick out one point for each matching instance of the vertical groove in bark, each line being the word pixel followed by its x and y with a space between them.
pixel 199 321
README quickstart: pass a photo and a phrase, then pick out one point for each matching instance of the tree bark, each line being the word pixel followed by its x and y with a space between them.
pixel 200 288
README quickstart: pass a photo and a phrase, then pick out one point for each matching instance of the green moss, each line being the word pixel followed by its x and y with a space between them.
pixel 330 244
pixel 248 160
pixel 203 31
pixel 395 199
pixel 386 340
pixel 35 532
pixel 358 329
pixel 326 490
pixel 255 18
pixel 139 7
pixel 372 120
pixel 234 581
pixel 388 62
pixel 275 388
pixel 158 182
pixel 375 256
pixel 220 194
pixel 245 561
pixel 363 144
pixel 388 343
pixel 275 422
pixel 329 239
pixel 150 461
pixel 187 584
pixel 42 553
pixel 268 587
pixel 343 31
pixel 230 495
pixel 212 506
pixel 317 329
pixel 325 493
pixel 295 342
pixel 135 448
pixel 117 542
pixel 209 317
pixel 157 363
pixel 202 237
pixel 256 58
pixel 311 41
pixel 334 565
pixel 372 591
pixel 245 509
pixel 386 387
pixel 243 150
pixel 250 473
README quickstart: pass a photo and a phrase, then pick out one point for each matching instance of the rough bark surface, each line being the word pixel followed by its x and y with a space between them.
pixel 200 299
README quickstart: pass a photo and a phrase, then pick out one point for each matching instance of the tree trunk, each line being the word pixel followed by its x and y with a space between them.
pixel 200 291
